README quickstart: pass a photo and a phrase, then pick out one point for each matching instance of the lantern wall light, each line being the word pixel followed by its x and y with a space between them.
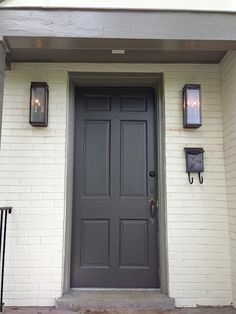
pixel 192 113
pixel 39 93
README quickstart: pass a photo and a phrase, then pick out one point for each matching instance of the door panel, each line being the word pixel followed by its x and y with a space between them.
pixel 114 241
pixel 133 103
pixel 134 253
pixel 95 243
pixel 97 103
pixel 96 158
pixel 133 158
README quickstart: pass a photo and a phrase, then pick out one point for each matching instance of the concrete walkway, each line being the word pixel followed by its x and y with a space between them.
pixel 40 310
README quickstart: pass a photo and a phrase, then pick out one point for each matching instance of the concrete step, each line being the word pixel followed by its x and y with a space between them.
pixel 77 300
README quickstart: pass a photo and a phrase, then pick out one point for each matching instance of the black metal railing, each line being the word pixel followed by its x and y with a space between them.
pixel 3 230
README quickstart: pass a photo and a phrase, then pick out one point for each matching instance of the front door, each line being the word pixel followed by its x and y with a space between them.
pixel 114 229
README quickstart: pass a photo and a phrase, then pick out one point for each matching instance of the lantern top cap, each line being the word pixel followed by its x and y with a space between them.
pixel 41 84
pixel 192 86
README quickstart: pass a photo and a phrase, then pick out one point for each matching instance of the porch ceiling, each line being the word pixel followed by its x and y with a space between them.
pixel 41 49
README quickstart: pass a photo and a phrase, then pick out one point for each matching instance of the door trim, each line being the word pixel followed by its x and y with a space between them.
pixel 154 80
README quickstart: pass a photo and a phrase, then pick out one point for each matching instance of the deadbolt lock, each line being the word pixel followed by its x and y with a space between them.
pixel 152 173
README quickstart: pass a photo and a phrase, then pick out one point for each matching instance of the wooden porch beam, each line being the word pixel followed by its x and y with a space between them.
pixel 118 24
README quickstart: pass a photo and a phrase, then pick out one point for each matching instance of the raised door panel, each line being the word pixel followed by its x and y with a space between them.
pixel 95 243
pixel 96 161
pixel 133 243
pixel 97 103
pixel 133 158
pixel 133 103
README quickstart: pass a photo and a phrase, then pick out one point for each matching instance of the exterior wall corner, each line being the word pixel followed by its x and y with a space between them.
pixel 228 93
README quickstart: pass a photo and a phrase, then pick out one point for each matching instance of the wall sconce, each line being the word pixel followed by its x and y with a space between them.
pixel 38 104
pixel 192 113
pixel 194 162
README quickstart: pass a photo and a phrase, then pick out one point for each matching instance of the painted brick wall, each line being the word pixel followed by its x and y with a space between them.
pixel 228 77
pixel 2 75
pixel 32 179
pixel 32 167
pixel 199 262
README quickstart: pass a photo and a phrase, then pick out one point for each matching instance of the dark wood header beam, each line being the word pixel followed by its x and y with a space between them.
pixel 119 24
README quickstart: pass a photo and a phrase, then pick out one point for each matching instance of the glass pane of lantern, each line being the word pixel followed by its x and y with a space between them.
pixel 193 106
pixel 38 104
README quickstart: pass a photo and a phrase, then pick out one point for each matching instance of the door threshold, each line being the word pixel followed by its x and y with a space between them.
pixel 115 299
pixel 116 289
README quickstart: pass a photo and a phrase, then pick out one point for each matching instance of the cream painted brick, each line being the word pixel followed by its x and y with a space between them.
pixel 32 164
pixel 32 179
pixel 228 78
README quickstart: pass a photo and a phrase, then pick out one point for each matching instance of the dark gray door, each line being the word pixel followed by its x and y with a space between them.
pixel 114 239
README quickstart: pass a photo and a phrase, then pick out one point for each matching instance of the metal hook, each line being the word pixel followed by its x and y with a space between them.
pixel 190 180
pixel 200 178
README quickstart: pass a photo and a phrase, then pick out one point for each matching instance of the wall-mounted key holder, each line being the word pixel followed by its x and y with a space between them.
pixel 194 162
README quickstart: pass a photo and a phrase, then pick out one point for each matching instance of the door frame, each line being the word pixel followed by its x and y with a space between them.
pixel 154 80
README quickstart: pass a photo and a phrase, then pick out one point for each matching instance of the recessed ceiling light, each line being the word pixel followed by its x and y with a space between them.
pixel 118 51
